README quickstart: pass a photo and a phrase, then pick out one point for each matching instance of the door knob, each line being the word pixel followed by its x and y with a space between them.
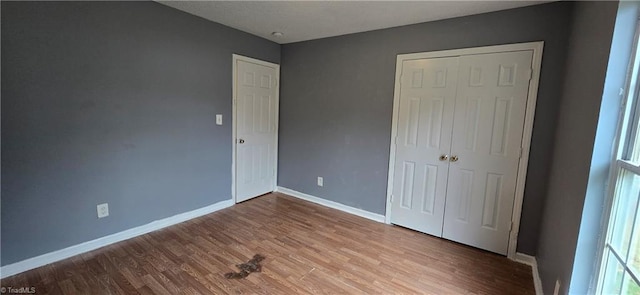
pixel 241 141
pixel 454 159
pixel 444 157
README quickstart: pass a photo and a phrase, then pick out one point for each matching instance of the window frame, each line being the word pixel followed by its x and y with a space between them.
pixel 622 150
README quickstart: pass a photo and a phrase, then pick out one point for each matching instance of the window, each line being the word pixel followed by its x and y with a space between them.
pixel 620 266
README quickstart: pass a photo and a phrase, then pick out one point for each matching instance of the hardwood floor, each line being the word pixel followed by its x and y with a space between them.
pixel 309 249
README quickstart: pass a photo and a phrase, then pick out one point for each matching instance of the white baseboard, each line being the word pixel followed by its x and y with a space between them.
pixel 332 204
pixel 531 260
pixel 44 259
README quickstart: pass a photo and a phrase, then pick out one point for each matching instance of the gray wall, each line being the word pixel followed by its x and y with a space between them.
pixel 586 66
pixel 337 100
pixel 111 102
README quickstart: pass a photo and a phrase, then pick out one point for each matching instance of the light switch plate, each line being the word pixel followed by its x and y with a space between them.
pixel 219 119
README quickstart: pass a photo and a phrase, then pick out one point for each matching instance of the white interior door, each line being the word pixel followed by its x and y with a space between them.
pixel 487 135
pixel 256 128
pixel 427 98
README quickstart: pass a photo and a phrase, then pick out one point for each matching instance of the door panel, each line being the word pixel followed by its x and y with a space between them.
pixel 256 133
pixel 427 98
pixel 486 138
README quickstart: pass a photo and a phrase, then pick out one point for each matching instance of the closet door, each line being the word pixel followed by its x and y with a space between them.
pixel 486 146
pixel 425 121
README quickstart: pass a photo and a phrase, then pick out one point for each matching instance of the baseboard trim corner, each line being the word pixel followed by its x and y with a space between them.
pixel 51 257
pixel 331 204
pixel 531 261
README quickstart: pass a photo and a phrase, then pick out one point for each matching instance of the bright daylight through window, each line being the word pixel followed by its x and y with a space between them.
pixel 620 268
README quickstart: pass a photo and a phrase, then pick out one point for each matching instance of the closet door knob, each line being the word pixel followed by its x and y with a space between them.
pixel 454 159
pixel 444 157
pixel 241 141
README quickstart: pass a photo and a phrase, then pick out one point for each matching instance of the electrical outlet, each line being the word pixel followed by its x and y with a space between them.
pixel 219 119
pixel 556 290
pixel 320 181
pixel 103 210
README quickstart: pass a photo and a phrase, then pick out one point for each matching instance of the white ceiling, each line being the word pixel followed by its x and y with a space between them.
pixel 306 20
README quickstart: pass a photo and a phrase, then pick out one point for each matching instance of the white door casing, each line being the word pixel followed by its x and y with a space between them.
pixel 427 98
pixel 487 132
pixel 255 127
pixel 524 140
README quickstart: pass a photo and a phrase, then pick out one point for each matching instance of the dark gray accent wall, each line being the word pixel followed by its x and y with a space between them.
pixel 111 102
pixel 337 100
pixel 586 67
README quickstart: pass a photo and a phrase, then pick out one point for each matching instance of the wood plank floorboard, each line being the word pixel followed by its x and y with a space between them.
pixel 309 249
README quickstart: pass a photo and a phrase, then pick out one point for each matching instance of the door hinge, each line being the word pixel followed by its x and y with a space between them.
pixel 530 74
pixel 520 154
pixel 235 101
pixel 511 226
pixel 395 140
pixel 391 199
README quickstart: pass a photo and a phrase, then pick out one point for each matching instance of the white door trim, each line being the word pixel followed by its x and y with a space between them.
pixel 526 135
pixel 236 58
